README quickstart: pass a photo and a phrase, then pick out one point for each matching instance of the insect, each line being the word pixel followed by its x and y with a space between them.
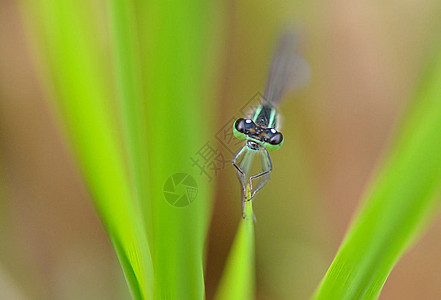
pixel 261 130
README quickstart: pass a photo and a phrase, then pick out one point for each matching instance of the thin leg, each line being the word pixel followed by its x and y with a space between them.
pixel 240 172
pixel 236 157
pixel 267 167
pixel 242 178
pixel 243 168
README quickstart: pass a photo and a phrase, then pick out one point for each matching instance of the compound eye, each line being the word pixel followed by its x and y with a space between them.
pixel 249 124
pixel 239 125
pixel 276 138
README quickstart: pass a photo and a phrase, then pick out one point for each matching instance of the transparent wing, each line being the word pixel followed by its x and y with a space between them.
pixel 287 71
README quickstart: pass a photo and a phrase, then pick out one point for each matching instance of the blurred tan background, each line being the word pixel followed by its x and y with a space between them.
pixel 366 58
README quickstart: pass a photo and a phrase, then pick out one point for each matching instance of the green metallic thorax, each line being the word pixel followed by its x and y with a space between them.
pixel 265 116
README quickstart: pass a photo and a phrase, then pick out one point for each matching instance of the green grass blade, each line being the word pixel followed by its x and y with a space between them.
pixel 238 280
pixel 175 38
pixel 401 201
pixel 66 32
pixel 131 99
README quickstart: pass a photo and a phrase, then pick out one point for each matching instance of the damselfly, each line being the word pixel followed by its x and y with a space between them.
pixel 261 129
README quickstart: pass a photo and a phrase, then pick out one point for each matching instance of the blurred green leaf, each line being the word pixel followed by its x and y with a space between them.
pixel 401 201
pixel 131 102
pixel 238 280
pixel 175 39
pixel 163 64
pixel 66 33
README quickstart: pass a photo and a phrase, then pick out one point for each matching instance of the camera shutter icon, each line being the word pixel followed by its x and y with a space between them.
pixel 180 189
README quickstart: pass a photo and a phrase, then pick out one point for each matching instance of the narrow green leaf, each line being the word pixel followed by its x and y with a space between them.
pixel 127 65
pixel 238 280
pixel 131 102
pixel 401 201
pixel 66 34
pixel 175 39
